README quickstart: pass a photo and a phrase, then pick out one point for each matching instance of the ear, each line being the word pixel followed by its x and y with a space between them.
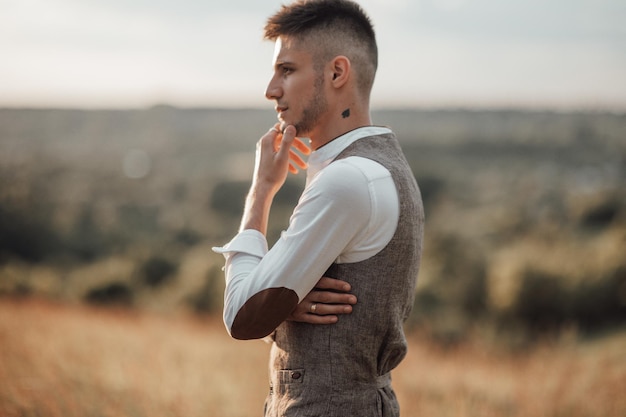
pixel 340 67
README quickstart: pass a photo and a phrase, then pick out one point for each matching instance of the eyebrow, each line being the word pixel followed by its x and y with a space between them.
pixel 281 64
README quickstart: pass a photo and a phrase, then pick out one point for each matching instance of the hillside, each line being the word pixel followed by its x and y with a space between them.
pixel 526 211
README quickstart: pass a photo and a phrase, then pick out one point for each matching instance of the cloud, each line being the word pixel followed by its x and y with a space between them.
pixel 453 71
pixel 198 52
pixel 92 52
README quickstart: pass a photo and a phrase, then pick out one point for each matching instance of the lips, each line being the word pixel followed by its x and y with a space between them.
pixel 280 111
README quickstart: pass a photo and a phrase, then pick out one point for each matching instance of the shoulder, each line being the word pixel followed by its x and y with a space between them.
pixel 350 175
pixel 353 188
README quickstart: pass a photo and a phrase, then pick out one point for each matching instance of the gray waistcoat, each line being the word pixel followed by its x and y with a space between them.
pixel 343 369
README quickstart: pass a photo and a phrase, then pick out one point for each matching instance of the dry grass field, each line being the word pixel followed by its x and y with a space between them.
pixel 61 360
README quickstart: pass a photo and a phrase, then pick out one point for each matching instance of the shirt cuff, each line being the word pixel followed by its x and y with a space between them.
pixel 248 241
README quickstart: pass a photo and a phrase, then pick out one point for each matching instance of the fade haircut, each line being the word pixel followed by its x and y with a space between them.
pixel 329 28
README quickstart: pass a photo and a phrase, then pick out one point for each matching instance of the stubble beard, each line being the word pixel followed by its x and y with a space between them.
pixel 313 111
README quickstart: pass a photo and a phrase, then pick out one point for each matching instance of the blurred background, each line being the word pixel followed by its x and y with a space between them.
pixel 127 131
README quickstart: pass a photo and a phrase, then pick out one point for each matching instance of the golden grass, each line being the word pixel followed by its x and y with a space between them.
pixel 79 361
pixel 561 379
pixel 65 361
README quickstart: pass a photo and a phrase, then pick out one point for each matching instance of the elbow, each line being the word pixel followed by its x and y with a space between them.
pixel 241 332
pixel 263 313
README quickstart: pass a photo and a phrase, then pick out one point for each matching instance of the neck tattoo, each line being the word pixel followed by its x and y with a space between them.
pixel 346 113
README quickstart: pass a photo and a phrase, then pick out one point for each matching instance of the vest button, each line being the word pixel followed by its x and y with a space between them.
pixel 296 375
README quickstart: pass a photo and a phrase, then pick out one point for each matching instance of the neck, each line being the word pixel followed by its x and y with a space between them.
pixel 338 121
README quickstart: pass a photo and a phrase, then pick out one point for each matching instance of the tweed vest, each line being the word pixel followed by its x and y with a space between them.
pixel 343 369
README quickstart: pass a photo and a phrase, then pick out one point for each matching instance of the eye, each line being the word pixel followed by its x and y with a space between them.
pixel 286 70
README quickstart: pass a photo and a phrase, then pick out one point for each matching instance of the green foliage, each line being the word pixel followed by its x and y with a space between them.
pixel 140 220
pixel 489 179
pixel 547 302
pixel 228 197
pixel 446 306
pixel 288 194
pixel 540 302
pixel 116 293
pixel 187 237
pixel 210 297
pixel 26 237
pixel 86 241
pixel 25 229
pixel 598 303
pixel 157 271
pixel 603 214
pixel 430 188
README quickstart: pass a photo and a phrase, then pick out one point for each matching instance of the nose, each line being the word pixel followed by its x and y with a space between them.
pixel 273 90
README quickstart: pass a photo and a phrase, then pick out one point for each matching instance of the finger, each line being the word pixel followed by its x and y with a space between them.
pixel 328 283
pixel 332 309
pixel 277 139
pixel 297 160
pixel 287 138
pixel 270 140
pixel 331 297
pixel 301 146
pixel 315 319
pixel 284 141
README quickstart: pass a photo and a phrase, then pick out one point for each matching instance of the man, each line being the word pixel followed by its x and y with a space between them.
pixel 359 220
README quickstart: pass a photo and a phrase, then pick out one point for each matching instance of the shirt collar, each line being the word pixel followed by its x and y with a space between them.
pixel 320 158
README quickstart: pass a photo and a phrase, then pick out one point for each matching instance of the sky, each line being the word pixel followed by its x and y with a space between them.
pixel 549 54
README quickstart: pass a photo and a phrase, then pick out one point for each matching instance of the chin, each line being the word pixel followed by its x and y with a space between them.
pixel 302 133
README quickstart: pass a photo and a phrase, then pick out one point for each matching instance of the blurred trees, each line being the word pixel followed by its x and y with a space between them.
pixel 526 211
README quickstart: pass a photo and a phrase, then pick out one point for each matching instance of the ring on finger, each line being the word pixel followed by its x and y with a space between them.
pixel 313 307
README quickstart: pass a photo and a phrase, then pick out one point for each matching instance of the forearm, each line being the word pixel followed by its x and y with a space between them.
pixel 272 163
pixel 257 208
pixel 256 299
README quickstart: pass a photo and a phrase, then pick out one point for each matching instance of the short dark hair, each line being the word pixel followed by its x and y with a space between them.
pixel 330 28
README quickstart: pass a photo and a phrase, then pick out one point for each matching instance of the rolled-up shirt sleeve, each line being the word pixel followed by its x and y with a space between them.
pixel 248 242
pixel 243 253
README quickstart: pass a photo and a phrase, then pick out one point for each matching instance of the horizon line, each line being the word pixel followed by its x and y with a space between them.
pixel 380 108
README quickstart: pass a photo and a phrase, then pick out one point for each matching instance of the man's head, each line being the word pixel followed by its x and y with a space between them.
pixel 329 28
pixel 322 46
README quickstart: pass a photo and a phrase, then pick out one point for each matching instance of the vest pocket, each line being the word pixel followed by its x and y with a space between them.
pixel 289 381
pixel 290 376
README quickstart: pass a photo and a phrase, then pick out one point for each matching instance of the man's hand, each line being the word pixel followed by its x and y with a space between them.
pixel 275 158
pixel 295 161
pixel 325 302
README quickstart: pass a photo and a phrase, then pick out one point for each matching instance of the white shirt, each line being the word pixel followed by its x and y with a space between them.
pixel 348 212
